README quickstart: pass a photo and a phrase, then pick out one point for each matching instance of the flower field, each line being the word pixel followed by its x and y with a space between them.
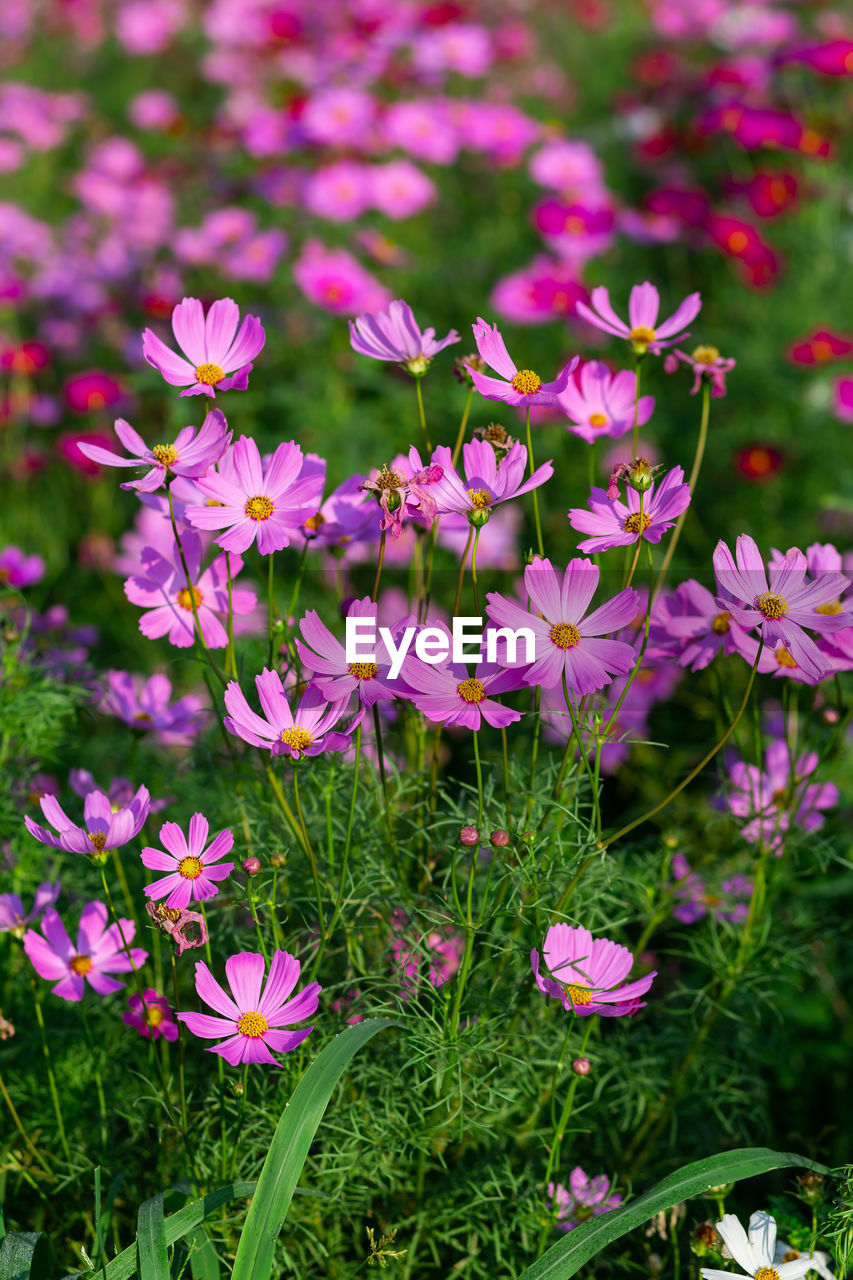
pixel 426 629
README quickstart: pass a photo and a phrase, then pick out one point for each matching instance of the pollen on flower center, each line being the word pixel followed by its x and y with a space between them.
pixel 637 522
pixel 767 1273
pixel 190 868
pixel 389 479
pixel 315 522
pixel 259 507
pixel 297 738
pixel 706 355
pixel 253 1025
pixel 471 690
pixel 831 607
pixel 783 657
pixel 722 623
pixel 564 635
pixel 80 964
pixel 579 995
pixel 98 839
pixel 642 335
pixel 772 605
pixel 363 670
pixel 165 454
pixel 209 374
pixel 526 382
pixel 597 420
pixel 185 600
pixel 481 498
pixel 154 1016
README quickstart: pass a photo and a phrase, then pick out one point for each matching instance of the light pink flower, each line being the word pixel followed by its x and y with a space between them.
pixel 516 387
pixel 104 829
pixel 99 952
pixel 191 454
pixel 392 334
pixel 588 974
pixel 151 1015
pixel 613 523
pixel 642 331
pixel 193 875
pixel 600 403
pixel 305 732
pixel 216 357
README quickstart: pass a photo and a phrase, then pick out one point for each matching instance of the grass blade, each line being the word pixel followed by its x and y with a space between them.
pixel 151 1240
pixel 26 1255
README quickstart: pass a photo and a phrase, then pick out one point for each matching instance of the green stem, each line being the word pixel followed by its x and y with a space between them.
pixel 462 425
pixel 461 578
pixel 34 1151
pixel 422 415
pixel 181 1084
pixel 638 364
pixel 694 476
pixel 306 843
pixel 57 1109
pixel 559 1134
pixel 378 566
pixel 640 541
pixel 240 1118
pixel 536 519
pixel 479 769
pixel 474 573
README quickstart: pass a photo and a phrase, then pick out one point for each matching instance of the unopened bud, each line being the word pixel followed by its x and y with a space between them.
pixel 641 475
pixel 462 368
pixel 277 859
pixel 499 839
pixel 251 866
pixel 703 1239
pixel 581 1066
pixel 469 836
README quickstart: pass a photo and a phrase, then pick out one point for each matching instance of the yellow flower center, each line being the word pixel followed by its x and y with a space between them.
pixel 165 454
pixel 767 1273
pixel 471 690
pixel 831 607
pixel 190 868
pixel 363 670
pixel 722 623
pixel 481 498
pixel 154 1015
pixel 252 1025
pixel 642 336
pixel 564 635
pixel 209 374
pixel 579 995
pixel 637 522
pixel 597 420
pixel 706 355
pixel 185 599
pixel 791 1256
pixel 142 717
pixel 315 522
pixel 784 658
pixel 822 351
pixel 772 605
pixel 259 507
pixel 389 479
pixel 526 382
pixel 98 839
pixel 297 738
pixel 737 241
pixel 80 964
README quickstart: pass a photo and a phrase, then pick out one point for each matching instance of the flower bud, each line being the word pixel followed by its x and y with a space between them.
pixel 499 839
pixel 469 836
pixel 811 1187
pixel 462 373
pixel 581 1066
pixel 277 859
pixel 251 866
pixel 640 475
pixel 703 1240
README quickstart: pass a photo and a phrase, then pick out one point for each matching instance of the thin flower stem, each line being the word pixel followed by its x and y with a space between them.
pixel 283 804
pixel 422 414
pixel 33 1149
pixel 638 664
pixel 534 751
pixel 181 1085
pixel 565 1114
pixel 462 425
pixel 505 754
pixel 57 1109
pixel 433 536
pixel 479 769
pixel 94 1051
pixel 694 476
pixel 536 519
pixel 315 874
pixel 253 911
pixel 462 564
pixel 271 608
pixel 591 464
pixel 240 1119
pixel 220 1066
pixel 474 573
pixel 375 590
pixel 199 635
pixel 640 541
pixel 348 840
pixel 380 751
pixel 638 364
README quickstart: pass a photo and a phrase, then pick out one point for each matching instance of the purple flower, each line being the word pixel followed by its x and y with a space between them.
pixel 566 641
pixel 192 873
pixel 104 828
pixel 447 694
pixel 514 386
pixel 99 952
pixel 148 707
pixel 255 502
pixel 251 1020
pixel 694 902
pixel 325 658
pixel 163 592
pixel 19 570
pixel 707 365
pixel 600 403
pixel 12 917
pixel 345 517
pixel 642 330
pixel 214 358
pixel 191 454
pixel 393 335
pixel 774 799
pixel 588 974
pixel 693 625
pixel 614 523
pixel 151 1015
pixel 307 732
pixel 587 1197
pixel 119 793
pixel 782 607
pixel 487 482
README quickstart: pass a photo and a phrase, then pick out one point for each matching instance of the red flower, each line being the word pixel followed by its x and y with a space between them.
pixel 819 348
pixel 759 462
pixel 88 392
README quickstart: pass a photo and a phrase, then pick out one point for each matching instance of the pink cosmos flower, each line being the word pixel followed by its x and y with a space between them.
pixel 487 482
pixel 99 952
pixel 694 625
pixel 148 707
pixel 151 1015
pixel 600 403
pixel 642 331
pixel 336 281
pixel 782 608
pixel 516 387
pixel 842 399
pixel 392 334
pixel 12 917
pixel 214 358
pixel 774 800
pixel 307 732
pixel 325 658
pixel 191 454
pixel 447 693
pixel 249 1018
pixel 399 189
pixel 588 974
pixel 707 365
pixel 344 518
pixel 192 873
pixel 120 792
pixel 18 569
pixel 339 191
pixel 587 1198
pixel 694 902
pixel 104 828
pixel 445 953
pixel 614 523
pixel 566 641
pixel 161 589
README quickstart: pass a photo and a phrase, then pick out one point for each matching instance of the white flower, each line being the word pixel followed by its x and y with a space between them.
pixel 819 1261
pixel 756 1253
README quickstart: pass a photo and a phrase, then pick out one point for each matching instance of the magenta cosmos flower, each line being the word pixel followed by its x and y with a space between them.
pixel 775 799
pixel 191 454
pixel 325 658
pixel 588 974
pixel 267 504
pixel 12 917
pixel 216 357
pixel 151 1015
pixel 707 365
pixel 642 331
pixel 18 569
pixel 305 732
pixel 514 386
pixel 692 624
pixel 600 403
pixel 447 693
pixel 404 490
pixel 785 604
pixel 149 708
pixel 566 641
pixel 488 481
pixel 193 870
pixel 249 1019
pixel 585 1198
pixel 99 952
pixel 162 591
pixel 104 829
pixel 614 523
pixel 393 335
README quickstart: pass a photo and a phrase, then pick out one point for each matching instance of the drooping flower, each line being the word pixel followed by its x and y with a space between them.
pixel 151 1015
pixel 585 1198
pixel 12 917
pixel 148 707
pixel 191 454
pixel 174 922
pixel 305 732
pixel 487 483
pixel 773 800
pixel 756 1252
pixel 706 364
pixel 249 1019
pixel 193 869
pixel 587 974
pixel 566 639
pixel 642 331
pixel 404 489
pixel 100 951
pixel 216 357
pixel 19 570
pixel 600 403
pixel 613 523
pixel 325 658
pixel 104 828
pixel 517 387
pixel 267 504
pixel 392 334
